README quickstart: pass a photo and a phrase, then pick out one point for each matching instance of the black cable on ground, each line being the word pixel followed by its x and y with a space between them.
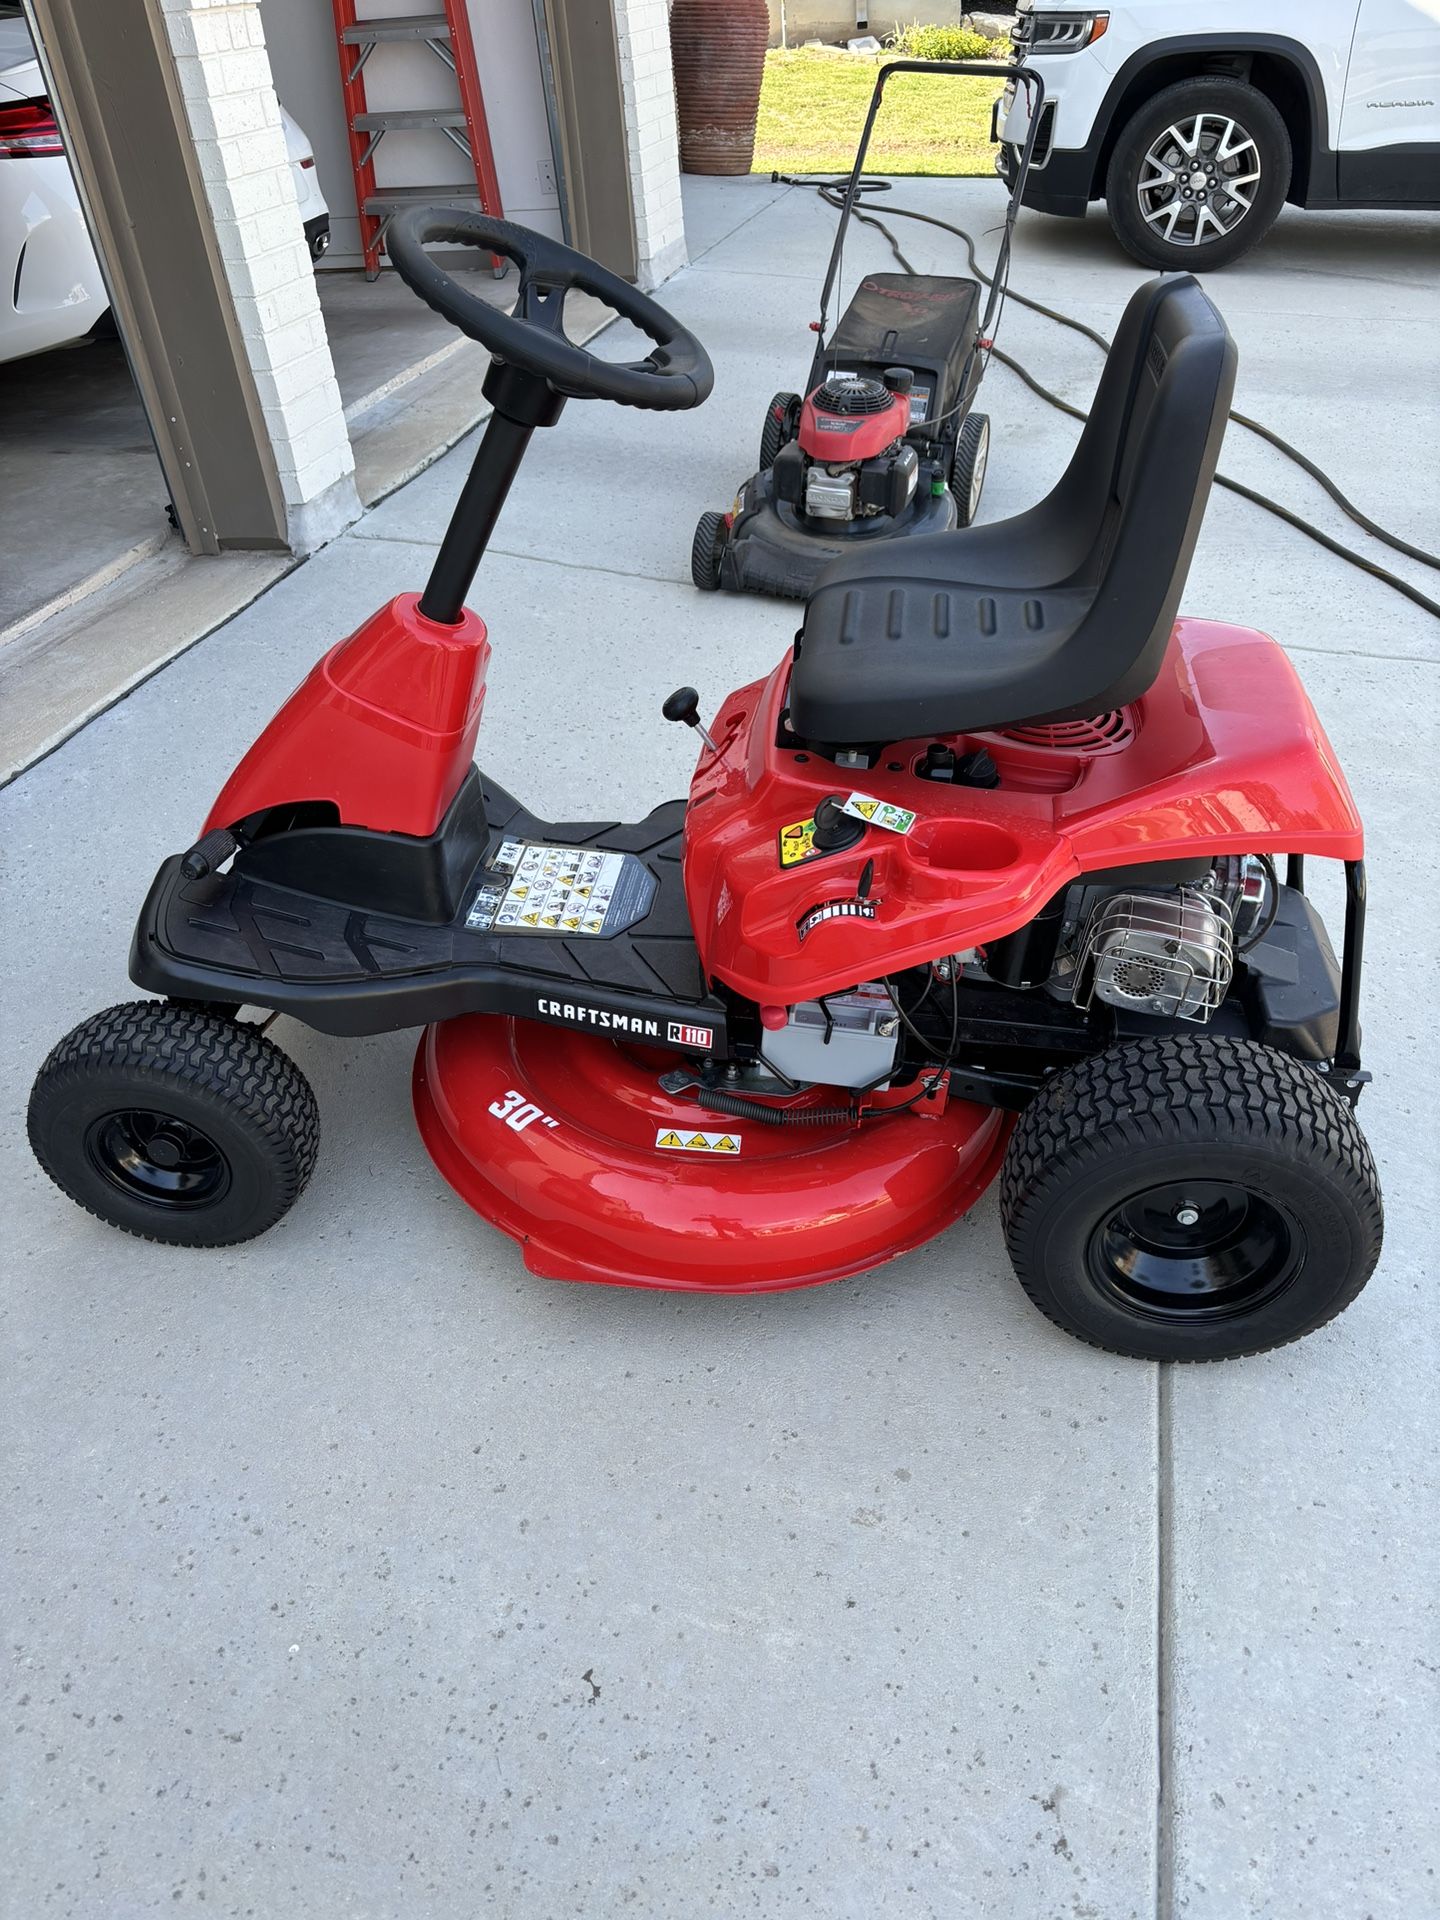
pixel 833 193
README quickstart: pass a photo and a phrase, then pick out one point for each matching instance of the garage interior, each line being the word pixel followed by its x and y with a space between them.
pixel 93 527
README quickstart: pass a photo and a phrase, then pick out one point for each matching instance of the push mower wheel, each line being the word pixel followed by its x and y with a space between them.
pixel 1190 1197
pixel 972 454
pixel 174 1123
pixel 705 551
pixel 778 427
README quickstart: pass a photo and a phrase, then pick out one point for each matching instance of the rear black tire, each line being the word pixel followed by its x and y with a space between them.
pixel 175 1123
pixel 1190 1197
pixel 705 551
pixel 1256 121
pixel 778 427
pixel 967 475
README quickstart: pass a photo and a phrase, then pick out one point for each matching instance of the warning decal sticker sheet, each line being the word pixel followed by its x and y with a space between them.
pixel 685 1140
pixel 575 892
pixel 879 813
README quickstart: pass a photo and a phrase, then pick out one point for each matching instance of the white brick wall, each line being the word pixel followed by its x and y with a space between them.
pixel 642 32
pixel 229 94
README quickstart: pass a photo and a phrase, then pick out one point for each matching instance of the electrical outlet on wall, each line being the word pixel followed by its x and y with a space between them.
pixel 545 168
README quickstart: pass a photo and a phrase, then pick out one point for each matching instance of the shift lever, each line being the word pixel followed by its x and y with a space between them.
pixel 684 704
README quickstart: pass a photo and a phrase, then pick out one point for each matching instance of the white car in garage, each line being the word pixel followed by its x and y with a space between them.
pixel 51 289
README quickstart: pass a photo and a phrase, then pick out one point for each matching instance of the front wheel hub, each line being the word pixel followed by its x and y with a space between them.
pixel 158 1159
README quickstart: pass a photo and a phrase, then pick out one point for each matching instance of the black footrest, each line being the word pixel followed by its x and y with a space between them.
pixel 582 924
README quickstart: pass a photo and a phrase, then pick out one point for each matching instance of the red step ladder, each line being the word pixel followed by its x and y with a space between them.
pixel 447 35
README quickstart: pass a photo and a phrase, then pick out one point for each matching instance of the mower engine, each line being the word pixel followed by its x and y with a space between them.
pixel 1170 951
pixel 1166 951
pixel 851 458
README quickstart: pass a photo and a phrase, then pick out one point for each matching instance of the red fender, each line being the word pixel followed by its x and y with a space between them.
pixel 383 727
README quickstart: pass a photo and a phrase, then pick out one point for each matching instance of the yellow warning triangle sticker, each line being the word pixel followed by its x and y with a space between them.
pixel 725 1144
pixel 670 1140
pixel 867 807
pixel 796 832
pixel 698 1140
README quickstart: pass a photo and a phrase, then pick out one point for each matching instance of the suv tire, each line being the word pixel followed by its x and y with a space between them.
pixel 1226 130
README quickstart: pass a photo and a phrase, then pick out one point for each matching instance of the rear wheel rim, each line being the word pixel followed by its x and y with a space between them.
pixel 977 472
pixel 1198 180
pixel 1195 1250
pixel 157 1159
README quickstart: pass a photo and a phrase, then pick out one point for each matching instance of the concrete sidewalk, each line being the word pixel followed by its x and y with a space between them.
pixel 358 1573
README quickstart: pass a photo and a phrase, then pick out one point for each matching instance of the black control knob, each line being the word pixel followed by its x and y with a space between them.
pixel 834 828
pixel 898 379
pixel 684 705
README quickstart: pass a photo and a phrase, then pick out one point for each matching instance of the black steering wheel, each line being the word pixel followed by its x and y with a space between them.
pixel 677 374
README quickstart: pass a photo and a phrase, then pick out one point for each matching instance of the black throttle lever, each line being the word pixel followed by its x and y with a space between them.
pixel 684 704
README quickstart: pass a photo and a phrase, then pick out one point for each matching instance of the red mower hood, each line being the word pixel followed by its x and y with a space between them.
pixel 848 418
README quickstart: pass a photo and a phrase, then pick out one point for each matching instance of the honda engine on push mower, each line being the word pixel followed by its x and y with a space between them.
pixel 885 444
pixel 999 872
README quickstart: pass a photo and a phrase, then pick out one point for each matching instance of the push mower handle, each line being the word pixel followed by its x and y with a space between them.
pixel 977 69
pixel 676 375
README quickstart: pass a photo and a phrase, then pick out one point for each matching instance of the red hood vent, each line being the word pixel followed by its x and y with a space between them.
pixel 1105 733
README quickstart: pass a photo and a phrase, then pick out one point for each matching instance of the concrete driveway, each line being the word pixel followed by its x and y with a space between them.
pixel 357 1572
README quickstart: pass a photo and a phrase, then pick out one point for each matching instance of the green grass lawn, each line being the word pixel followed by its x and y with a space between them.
pixel 812 107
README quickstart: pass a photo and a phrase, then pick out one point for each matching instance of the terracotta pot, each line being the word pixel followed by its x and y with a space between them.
pixel 718 51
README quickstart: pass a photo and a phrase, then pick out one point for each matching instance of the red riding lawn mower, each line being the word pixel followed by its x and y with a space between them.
pixel 885 443
pixel 984 878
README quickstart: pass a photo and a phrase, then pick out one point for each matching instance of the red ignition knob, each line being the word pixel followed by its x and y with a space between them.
pixel 773 1018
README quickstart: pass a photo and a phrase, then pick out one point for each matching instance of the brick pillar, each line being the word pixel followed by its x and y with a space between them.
pixel 229 94
pixel 642 33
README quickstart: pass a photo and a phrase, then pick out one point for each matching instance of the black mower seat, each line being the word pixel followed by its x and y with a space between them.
pixel 1061 612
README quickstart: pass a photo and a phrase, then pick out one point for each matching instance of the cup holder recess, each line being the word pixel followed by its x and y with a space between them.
pixel 964 846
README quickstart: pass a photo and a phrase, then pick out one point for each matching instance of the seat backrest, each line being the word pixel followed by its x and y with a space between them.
pixel 1138 485
pixel 1061 612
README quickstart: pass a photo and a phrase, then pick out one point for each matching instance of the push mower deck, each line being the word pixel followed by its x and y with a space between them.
pixel 350 969
pixel 770 551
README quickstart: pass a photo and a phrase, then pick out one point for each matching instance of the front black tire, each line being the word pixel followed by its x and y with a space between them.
pixel 1199 221
pixel 705 551
pixel 972 456
pixel 779 427
pixel 175 1123
pixel 1190 1197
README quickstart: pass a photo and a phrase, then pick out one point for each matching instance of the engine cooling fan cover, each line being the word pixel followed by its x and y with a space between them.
pixel 847 395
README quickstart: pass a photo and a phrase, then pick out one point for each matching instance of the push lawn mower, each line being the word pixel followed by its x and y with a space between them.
pixel 982 880
pixel 884 443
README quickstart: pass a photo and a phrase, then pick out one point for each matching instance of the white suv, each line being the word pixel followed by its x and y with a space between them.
pixel 1196 120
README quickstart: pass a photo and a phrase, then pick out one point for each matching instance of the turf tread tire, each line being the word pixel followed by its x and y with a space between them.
pixel 1205 1089
pixel 223 1068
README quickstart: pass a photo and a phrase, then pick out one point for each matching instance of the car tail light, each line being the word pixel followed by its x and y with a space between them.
pixel 29 131
pixel 308 160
